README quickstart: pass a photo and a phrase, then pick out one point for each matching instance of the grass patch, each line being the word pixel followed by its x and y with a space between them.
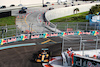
pixel 80 17
pixel 11 28
pixel 62 22
pixel 7 20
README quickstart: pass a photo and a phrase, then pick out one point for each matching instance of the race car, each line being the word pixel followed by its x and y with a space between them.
pixel 43 56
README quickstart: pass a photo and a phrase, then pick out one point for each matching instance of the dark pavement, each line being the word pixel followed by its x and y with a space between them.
pixel 21 56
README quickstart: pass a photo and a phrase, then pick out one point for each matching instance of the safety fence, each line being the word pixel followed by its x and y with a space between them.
pixel 13 30
pixel 74 26
pixel 9 30
pixel 70 26
pixel 44 35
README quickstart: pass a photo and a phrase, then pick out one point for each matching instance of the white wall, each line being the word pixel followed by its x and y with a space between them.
pixel 24 2
pixel 61 12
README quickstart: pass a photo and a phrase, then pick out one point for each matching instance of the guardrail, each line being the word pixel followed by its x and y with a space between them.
pixel 23 37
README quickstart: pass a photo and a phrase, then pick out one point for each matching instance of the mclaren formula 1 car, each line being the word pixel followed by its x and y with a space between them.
pixel 43 56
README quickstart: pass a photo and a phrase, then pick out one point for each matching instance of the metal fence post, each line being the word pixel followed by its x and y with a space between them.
pixel 86 26
pixel 2 31
pixel 80 42
pixel 83 49
pixel 16 30
pixel 74 28
pixel 77 26
pixel 67 26
pixel 55 27
pixel 98 28
pixel 96 43
pixel 63 44
pixel 95 26
pixel 6 31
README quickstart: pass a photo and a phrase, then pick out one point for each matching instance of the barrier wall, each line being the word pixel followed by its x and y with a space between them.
pixel 18 45
pixel 5 14
pixel 24 2
pixel 45 35
pixel 13 39
pixel 61 12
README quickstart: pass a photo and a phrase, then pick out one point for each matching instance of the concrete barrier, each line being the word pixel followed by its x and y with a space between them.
pixel 18 45
pixel 24 2
pixel 61 12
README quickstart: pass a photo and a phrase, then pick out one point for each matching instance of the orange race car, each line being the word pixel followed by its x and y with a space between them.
pixel 43 56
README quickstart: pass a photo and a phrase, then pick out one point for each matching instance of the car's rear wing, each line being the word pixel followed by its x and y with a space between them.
pixel 44 49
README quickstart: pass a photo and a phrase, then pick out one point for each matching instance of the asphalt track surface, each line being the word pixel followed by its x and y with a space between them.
pixel 33 20
pixel 22 56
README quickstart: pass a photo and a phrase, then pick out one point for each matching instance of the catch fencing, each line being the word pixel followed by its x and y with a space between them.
pixel 74 26
pixel 9 30
pixel 13 30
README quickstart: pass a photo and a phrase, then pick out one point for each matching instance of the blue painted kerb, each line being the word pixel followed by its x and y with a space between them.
pixel 19 45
